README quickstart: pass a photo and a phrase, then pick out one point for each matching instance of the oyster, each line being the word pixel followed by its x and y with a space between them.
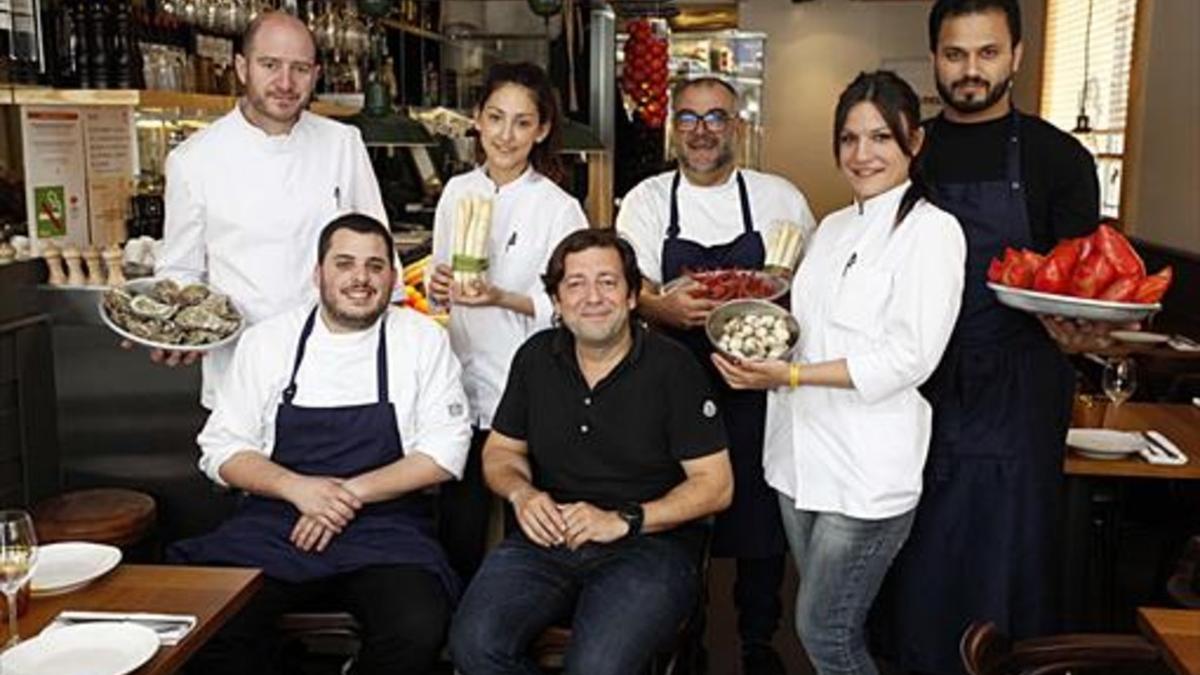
pixel 169 315
pixel 149 308
pixel 166 292
pixel 193 294
pixel 219 305
pixel 117 300
pixel 200 317
pixel 200 337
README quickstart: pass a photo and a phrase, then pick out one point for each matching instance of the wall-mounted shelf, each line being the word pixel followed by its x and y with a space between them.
pixel 144 99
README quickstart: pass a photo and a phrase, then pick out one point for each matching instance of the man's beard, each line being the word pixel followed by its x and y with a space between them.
pixel 347 320
pixel 724 158
pixel 993 95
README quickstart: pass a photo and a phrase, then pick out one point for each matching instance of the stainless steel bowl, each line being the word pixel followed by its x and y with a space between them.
pixel 735 308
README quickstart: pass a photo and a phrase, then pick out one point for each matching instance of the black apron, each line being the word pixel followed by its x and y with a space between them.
pixel 342 442
pixel 751 527
pixel 983 545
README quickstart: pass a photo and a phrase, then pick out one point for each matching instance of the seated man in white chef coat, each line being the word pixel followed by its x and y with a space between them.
pixel 334 420
pixel 246 197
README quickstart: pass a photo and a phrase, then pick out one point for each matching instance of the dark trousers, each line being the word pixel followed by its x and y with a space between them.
pixel 756 596
pixel 463 508
pixel 623 601
pixel 403 611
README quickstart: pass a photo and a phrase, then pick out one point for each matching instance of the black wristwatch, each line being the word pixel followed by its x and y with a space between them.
pixel 633 514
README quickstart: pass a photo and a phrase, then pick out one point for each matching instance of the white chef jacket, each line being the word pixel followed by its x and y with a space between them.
pixel 530 215
pixel 708 215
pixel 339 370
pixel 885 299
pixel 244 211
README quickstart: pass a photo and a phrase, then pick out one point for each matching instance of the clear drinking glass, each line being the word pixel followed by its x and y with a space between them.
pixel 1120 379
pixel 18 557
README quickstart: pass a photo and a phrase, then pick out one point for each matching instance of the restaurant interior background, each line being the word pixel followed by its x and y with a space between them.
pixel 77 411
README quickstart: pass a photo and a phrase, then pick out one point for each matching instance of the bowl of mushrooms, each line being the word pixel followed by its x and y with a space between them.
pixel 753 330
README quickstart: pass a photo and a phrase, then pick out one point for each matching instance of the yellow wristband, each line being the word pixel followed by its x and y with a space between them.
pixel 794 375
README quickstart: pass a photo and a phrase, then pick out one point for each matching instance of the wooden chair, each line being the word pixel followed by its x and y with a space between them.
pixel 113 516
pixel 986 651
pixel 1184 584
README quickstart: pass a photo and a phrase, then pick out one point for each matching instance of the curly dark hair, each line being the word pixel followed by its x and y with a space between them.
pixel 582 240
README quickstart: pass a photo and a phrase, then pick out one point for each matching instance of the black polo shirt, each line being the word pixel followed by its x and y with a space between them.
pixel 621 441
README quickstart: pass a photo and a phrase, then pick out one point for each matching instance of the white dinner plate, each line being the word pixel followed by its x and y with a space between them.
pixel 144 285
pixel 1139 337
pixel 86 649
pixel 62 568
pixel 1104 443
pixel 1071 307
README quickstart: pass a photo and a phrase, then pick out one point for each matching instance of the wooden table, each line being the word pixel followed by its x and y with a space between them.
pixel 212 594
pixel 1178 422
pixel 1177 632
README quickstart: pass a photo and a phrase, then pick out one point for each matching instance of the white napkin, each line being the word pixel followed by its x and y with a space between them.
pixel 171 628
pixel 1162 451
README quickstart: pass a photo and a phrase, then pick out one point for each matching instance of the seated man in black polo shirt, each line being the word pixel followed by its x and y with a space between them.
pixel 608 445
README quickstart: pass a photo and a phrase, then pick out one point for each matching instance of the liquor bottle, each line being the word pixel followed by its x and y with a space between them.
pixel 98 44
pixel 120 73
pixel 6 37
pixel 77 9
pixel 26 43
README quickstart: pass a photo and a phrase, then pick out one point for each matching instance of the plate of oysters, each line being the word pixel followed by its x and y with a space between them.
pixel 163 314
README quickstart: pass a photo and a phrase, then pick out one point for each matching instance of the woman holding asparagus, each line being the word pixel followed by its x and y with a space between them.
pixel 494 230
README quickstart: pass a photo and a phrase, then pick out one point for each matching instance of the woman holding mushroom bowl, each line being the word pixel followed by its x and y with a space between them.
pixel 876 298
pixel 494 230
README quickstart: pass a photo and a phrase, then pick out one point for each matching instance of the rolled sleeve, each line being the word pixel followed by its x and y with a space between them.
pixel 239 420
pixel 443 428
pixel 920 315
pixel 639 224
pixel 183 254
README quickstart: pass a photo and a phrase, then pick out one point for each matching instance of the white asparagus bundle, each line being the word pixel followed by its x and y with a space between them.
pixel 472 232
pixel 785 242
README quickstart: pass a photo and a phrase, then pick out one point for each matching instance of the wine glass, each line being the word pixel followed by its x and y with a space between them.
pixel 18 557
pixel 1120 379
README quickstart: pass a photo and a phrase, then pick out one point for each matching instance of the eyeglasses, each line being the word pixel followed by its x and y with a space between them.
pixel 714 120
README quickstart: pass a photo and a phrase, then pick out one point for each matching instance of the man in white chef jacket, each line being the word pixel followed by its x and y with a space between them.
pixel 247 196
pixel 711 214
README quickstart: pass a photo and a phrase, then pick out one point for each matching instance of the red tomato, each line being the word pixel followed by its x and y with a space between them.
pixel 995 270
pixel 1067 253
pixel 1119 252
pixel 1091 276
pixel 1085 244
pixel 1017 272
pixel 1054 276
pixel 1122 289
pixel 1152 288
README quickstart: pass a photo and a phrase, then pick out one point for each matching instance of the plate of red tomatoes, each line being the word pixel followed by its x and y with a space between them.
pixel 732 284
pixel 1100 277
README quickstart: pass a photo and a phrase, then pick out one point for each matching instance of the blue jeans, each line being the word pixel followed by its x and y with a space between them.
pixel 623 601
pixel 841 562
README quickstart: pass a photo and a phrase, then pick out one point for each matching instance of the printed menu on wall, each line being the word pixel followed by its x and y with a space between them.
pixel 109 146
pixel 55 176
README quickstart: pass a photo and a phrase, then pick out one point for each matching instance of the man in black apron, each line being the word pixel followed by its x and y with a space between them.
pixel 334 508
pixel 984 542
pixel 721 231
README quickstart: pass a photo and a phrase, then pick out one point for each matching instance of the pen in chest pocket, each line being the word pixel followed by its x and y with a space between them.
pixel 850 263
pixel 337 196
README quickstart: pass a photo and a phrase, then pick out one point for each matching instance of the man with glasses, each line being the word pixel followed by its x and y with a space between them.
pixel 246 197
pixel 709 214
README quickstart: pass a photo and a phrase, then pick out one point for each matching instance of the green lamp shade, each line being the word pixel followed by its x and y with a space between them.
pixel 577 137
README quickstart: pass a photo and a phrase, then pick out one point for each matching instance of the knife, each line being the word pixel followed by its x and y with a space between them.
pixel 1161 449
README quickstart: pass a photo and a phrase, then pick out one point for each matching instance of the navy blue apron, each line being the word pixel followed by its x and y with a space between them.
pixel 341 442
pixel 982 546
pixel 751 527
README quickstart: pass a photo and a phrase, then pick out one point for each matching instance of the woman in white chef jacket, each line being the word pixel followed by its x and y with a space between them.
pixel 519 126
pixel 847 432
